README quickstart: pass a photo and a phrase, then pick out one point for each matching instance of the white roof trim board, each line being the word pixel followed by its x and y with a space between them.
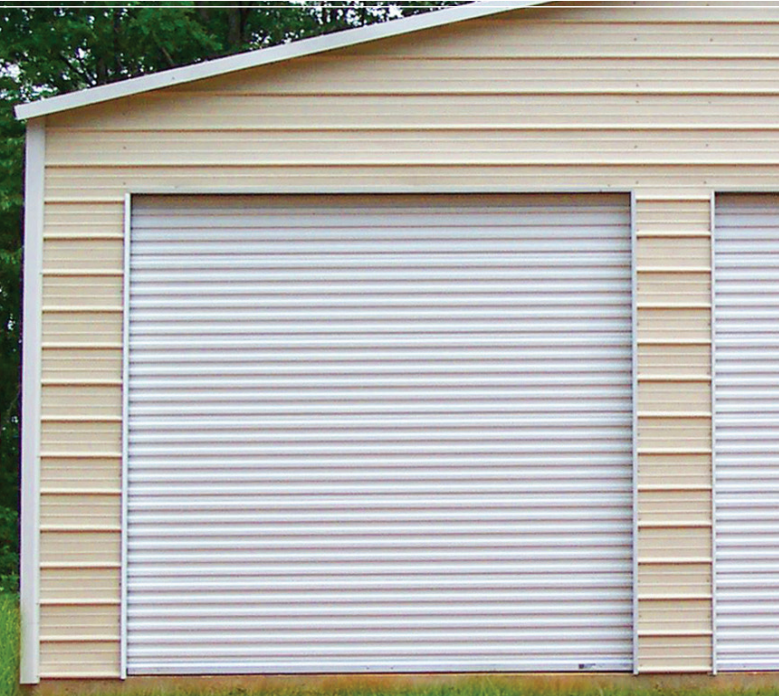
pixel 266 56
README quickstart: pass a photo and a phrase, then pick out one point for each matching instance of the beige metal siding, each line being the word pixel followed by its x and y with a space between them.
pixel 674 434
pixel 623 97
pixel 81 443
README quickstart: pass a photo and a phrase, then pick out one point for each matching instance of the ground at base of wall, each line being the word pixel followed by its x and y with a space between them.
pixel 764 684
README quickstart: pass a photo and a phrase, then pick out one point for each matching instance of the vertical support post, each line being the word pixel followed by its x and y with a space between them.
pixel 713 435
pixel 31 400
pixel 125 429
pixel 634 340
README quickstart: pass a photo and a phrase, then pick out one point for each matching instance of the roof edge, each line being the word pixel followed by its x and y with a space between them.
pixel 267 56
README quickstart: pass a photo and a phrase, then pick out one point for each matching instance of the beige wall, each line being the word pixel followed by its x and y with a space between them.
pixel 674 433
pixel 622 97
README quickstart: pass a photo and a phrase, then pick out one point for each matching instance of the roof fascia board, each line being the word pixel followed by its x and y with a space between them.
pixel 267 56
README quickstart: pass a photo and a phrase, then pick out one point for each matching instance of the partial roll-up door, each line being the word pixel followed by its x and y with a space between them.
pixel 747 431
pixel 379 433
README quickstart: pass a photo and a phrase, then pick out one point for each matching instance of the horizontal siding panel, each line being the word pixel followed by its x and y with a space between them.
pixel 79 548
pixel 675 545
pixel 81 585
pixel 674 433
pixel 80 510
pixel 81 219
pixel 674 325
pixel 75 438
pixel 82 255
pixel 673 252
pixel 603 44
pixel 80 364
pixel 82 328
pixel 537 39
pixel 674 289
pixel 79 622
pixel 512 74
pixel 668 506
pixel 677 654
pixel 674 470
pixel 79 659
pixel 74 292
pixel 67 401
pixel 676 617
pixel 681 217
pixel 79 473
pixel 674 361
pixel 670 581
pixel 70 183
pixel 682 398
pixel 427 147
pixel 621 13
pixel 235 113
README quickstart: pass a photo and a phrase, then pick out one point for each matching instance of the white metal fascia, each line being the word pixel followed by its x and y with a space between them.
pixel 267 56
pixel 31 399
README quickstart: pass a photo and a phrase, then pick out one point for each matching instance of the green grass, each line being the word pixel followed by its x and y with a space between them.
pixel 485 685
pixel 9 645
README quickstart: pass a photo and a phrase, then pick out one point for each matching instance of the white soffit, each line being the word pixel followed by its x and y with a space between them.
pixel 267 56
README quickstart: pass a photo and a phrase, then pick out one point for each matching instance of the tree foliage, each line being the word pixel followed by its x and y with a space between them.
pixel 46 51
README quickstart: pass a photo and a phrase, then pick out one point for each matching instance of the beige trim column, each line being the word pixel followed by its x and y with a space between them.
pixel 674 492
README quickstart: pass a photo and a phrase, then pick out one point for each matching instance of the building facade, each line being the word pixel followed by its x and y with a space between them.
pixel 444 345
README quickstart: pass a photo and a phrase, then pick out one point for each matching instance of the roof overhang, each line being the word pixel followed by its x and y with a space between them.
pixel 267 56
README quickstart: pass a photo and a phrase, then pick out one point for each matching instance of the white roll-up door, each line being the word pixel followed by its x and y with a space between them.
pixel 379 434
pixel 747 432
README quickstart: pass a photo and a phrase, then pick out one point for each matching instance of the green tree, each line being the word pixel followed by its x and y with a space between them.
pixel 45 51
pixel 11 158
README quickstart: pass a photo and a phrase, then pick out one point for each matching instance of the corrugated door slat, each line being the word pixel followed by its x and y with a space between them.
pixel 747 432
pixel 379 433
